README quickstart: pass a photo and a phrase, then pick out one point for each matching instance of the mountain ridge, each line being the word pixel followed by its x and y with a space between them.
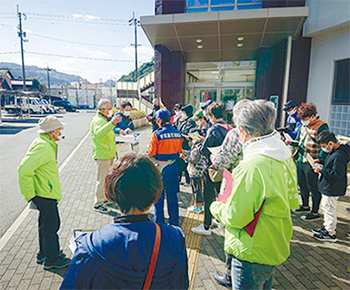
pixel 32 71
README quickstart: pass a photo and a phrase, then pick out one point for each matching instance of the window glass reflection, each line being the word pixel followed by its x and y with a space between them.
pixel 222 2
pixel 197 3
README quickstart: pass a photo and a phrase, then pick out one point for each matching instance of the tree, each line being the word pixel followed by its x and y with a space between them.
pixel 37 86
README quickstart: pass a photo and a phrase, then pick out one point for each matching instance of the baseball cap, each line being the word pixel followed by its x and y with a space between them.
pixel 290 104
pixel 163 114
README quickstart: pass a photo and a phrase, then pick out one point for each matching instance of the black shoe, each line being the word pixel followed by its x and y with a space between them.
pixel 310 217
pixel 318 230
pixel 101 208
pixel 302 209
pixel 325 237
pixel 222 279
pixel 40 258
pixel 59 263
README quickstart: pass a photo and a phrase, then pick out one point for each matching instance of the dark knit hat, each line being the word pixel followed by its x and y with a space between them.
pixel 188 109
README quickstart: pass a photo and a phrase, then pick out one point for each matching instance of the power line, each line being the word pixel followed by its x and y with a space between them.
pixel 10 52
pixel 79 57
pixel 77 15
pixel 76 42
pixel 77 21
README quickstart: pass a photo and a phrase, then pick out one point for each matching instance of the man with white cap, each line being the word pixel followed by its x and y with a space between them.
pixel 39 183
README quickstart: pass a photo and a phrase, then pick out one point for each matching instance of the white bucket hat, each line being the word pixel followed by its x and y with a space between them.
pixel 49 124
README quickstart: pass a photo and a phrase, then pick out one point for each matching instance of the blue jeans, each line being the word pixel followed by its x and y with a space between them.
pixel 247 275
pixel 171 187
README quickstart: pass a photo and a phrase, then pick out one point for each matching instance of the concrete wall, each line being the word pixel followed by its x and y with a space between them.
pixel 326 48
pixel 324 14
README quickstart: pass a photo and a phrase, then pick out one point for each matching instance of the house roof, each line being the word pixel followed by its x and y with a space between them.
pixel 4 72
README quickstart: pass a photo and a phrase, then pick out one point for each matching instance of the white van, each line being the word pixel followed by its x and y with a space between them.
pixel 26 104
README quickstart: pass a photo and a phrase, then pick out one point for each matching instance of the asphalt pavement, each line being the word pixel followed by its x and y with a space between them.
pixel 15 138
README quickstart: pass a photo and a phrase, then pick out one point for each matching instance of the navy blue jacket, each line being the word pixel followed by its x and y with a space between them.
pixel 118 257
pixel 333 179
pixel 293 124
pixel 125 123
pixel 215 137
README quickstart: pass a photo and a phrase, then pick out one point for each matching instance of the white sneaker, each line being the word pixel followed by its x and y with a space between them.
pixel 215 223
pixel 201 230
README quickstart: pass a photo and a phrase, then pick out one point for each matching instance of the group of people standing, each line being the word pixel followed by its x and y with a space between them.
pixel 321 166
pixel 135 252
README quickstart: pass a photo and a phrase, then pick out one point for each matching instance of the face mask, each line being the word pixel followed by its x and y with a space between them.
pixel 178 113
pixel 110 113
pixel 324 149
pixel 61 137
pixel 126 113
pixel 183 115
pixel 305 123
pixel 292 112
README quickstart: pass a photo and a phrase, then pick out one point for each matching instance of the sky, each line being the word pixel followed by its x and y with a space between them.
pixel 76 28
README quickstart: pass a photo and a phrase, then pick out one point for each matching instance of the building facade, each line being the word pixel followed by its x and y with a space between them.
pixel 328 85
pixel 232 49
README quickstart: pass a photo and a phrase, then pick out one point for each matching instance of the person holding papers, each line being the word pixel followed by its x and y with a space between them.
pixel 308 147
pixel 293 123
pixel 126 125
pixel 256 216
pixel 214 138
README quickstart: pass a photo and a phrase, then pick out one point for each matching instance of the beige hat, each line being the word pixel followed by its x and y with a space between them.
pixel 49 124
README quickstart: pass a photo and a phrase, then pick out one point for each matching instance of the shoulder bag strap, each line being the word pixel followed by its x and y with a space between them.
pixel 312 138
pixel 154 258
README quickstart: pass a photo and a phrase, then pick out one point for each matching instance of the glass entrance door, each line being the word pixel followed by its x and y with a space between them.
pixel 226 95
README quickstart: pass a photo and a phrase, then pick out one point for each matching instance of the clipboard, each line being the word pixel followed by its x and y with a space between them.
pixel 226 186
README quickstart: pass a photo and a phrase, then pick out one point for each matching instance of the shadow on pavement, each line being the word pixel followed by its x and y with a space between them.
pixel 9 130
pixel 60 272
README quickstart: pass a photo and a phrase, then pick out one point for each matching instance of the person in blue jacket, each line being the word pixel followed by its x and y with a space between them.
pixel 118 256
pixel 126 123
pixel 293 123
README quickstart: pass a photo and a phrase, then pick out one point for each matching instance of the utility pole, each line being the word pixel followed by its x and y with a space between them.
pixel 48 81
pixel 136 23
pixel 22 34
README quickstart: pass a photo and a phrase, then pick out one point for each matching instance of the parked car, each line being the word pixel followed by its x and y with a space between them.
pixel 52 109
pixel 28 104
pixel 64 105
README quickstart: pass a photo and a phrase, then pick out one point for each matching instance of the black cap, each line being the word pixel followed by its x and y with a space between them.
pixel 290 104
pixel 188 109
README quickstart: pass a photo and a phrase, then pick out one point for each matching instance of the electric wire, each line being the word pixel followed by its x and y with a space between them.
pixel 76 42
pixel 79 57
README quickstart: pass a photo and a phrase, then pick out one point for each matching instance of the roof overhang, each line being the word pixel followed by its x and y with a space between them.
pixel 219 32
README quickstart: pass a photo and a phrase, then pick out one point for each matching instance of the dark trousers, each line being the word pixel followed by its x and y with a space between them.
pixel 171 187
pixel 49 224
pixel 182 167
pixel 197 189
pixel 308 182
pixel 210 191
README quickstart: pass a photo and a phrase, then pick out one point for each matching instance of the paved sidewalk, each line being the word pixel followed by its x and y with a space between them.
pixel 312 265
